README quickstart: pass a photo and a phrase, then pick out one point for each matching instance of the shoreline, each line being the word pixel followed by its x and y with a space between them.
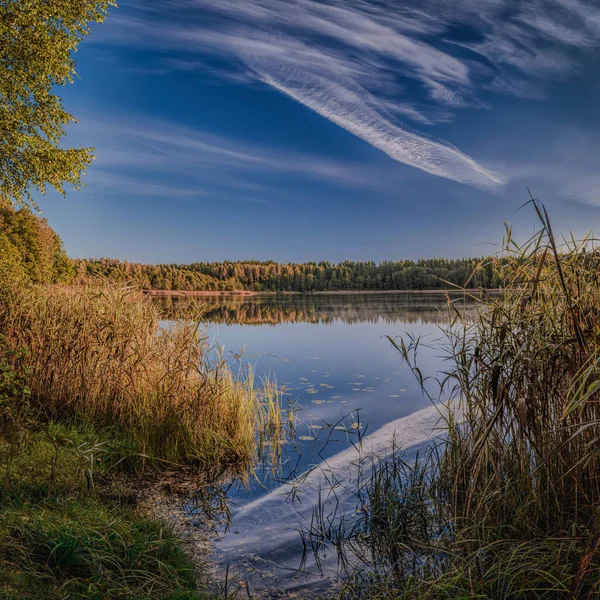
pixel 192 293
pixel 168 293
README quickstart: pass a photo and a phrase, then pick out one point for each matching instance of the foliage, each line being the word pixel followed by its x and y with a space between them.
pixel 37 40
pixel 14 395
pixel 30 251
pixel 438 273
pixel 162 277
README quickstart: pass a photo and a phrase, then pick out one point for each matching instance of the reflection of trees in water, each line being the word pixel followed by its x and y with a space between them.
pixel 319 309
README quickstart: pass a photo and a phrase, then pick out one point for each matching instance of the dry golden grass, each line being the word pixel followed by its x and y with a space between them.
pixel 102 353
pixel 507 504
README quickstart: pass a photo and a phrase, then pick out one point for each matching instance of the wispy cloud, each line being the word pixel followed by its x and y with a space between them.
pixel 369 65
pixel 148 157
pixel 349 110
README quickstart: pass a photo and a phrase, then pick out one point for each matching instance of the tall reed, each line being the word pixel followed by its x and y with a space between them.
pixel 102 353
pixel 509 505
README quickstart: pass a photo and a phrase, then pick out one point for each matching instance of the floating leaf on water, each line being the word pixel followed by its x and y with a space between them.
pixel 402 390
pixel 394 395
pixel 356 390
pixel 317 401
pixel 306 438
pixel 340 428
pixel 356 426
pixel 303 378
pixel 335 397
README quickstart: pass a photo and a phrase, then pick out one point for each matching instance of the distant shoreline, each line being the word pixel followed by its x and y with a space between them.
pixel 191 293
pixel 199 293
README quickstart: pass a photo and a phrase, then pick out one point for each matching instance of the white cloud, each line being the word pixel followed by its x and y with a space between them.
pixel 137 155
pixel 348 110
pixel 365 64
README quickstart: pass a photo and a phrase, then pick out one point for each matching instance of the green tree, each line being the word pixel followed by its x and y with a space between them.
pixel 30 250
pixel 37 40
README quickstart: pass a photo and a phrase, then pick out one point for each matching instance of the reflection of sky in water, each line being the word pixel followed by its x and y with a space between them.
pixel 334 371
pixel 331 355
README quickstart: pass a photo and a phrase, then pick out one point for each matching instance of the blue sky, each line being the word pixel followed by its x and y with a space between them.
pixel 301 130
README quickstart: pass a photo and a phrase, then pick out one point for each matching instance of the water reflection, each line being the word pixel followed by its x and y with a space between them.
pixel 331 355
pixel 321 309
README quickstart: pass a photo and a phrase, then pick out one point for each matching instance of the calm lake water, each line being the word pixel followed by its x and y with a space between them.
pixel 331 355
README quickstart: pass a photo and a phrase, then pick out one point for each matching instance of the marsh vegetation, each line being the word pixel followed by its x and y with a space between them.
pixel 505 505
pixel 100 400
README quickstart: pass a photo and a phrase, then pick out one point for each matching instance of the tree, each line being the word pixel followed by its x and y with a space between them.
pixel 30 251
pixel 37 40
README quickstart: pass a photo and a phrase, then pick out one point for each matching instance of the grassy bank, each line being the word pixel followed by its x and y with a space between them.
pixel 102 353
pixel 70 526
pixel 507 505
pixel 97 397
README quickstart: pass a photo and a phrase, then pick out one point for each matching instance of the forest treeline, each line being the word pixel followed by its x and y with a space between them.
pixel 429 274
pixel 31 250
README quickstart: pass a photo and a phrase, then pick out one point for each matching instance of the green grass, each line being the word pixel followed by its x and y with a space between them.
pixel 69 529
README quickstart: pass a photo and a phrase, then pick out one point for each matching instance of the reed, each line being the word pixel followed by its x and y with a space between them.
pixel 508 505
pixel 102 353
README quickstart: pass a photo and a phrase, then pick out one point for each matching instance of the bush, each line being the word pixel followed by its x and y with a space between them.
pixel 14 396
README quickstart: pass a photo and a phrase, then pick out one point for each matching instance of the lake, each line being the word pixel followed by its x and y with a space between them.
pixel 331 355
